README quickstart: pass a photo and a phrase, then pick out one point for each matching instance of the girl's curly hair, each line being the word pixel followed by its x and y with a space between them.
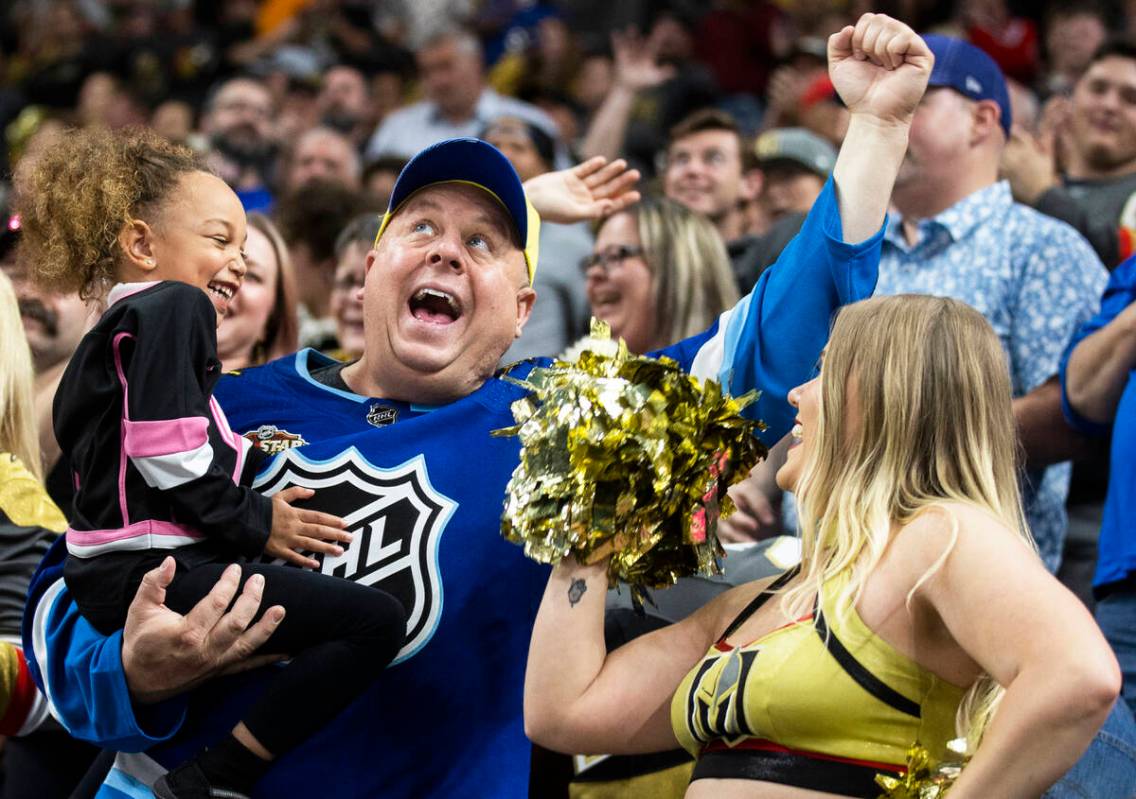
pixel 75 198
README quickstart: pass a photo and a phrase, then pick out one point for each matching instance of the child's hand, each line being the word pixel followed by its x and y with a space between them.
pixel 295 529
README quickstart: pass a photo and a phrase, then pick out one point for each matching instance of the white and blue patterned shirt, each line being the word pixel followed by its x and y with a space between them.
pixel 1034 278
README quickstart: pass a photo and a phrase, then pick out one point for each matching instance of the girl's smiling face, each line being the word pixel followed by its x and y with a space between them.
pixel 199 237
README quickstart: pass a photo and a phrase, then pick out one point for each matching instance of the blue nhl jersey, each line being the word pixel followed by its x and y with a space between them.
pixel 422 490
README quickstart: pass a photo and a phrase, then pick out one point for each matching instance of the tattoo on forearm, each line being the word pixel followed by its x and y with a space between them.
pixel 576 591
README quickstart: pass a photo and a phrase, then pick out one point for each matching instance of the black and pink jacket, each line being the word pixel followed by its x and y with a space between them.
pixel 155 463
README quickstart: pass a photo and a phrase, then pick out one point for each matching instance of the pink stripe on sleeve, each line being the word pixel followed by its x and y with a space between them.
pixel 165 437
pixel 229 437
pixel 88 538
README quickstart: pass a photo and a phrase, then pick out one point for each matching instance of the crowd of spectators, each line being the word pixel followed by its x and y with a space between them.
pixel 1019 201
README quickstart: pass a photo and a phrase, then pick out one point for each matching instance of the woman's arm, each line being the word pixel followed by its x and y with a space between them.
pixel 1037 641
pixel 579 698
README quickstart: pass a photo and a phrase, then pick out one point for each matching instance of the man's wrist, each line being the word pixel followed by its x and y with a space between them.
pixel 888 126
pixel 140 694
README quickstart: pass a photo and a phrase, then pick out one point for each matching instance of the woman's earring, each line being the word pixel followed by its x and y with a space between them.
pixel 149 262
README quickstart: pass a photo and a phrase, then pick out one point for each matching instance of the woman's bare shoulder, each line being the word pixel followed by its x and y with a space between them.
pixel 950 526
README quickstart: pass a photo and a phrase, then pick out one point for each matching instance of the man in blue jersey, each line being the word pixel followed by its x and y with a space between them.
pixel 398 444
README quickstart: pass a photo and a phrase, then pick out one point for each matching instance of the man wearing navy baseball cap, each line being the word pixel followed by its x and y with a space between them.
pixel 960 234
pixel 969 71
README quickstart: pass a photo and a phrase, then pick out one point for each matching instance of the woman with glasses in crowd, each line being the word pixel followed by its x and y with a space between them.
pixel 659 273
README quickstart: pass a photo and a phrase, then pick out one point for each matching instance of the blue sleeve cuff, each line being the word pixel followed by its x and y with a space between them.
pixel 142 725
pixel 858 281
pixel 86 685
pixel 1078 422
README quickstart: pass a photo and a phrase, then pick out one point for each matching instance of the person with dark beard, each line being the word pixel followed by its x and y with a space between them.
pixel 238 123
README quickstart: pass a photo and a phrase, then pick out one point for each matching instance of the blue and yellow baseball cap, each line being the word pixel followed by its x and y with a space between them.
pixel 477 163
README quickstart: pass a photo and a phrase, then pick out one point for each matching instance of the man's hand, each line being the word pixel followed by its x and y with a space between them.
pixel 756 498
pixel 754 519
pixel 594 189
pixel 880 68
pixel 295 530
pixel 165 653
pixel 1029 164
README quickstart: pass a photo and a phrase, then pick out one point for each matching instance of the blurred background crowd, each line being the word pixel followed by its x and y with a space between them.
pixel 309 109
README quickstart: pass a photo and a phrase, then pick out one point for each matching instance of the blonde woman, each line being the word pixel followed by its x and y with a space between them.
pixel 29 520
pixel 659 273
pixel 23 500
pixel 19 436
pixel 920 602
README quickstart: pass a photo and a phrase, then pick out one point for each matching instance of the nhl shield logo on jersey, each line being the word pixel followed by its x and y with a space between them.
pixel 381 415
pixel 273 440
pixel 397 519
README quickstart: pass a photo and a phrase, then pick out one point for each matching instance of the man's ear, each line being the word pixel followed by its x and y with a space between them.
pixel 137 242
pixel 986 121
pixel 368 262
pixel 526 297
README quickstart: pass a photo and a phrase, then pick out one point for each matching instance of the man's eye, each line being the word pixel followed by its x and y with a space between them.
pixel 423 227
pixel 479 241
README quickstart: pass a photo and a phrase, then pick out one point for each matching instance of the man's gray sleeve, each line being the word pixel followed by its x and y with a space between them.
pixel 1102 234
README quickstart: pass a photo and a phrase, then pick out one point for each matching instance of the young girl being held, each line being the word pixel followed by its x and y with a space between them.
pixel 139 223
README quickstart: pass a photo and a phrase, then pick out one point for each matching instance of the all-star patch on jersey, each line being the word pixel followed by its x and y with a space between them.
pixel 271 439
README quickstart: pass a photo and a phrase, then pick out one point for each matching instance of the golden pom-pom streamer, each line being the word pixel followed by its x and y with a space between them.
pixel 925 779
pixel 627 456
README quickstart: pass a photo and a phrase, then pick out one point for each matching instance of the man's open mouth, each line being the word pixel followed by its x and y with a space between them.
pixel 435 306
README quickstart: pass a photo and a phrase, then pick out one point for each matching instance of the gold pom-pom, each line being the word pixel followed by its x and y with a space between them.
pixel 627 456
pixel 925 778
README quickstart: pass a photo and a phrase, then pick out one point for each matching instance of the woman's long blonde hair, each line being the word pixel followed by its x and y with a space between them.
pixel 19 435
pixel 693 280
pixel 934 424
